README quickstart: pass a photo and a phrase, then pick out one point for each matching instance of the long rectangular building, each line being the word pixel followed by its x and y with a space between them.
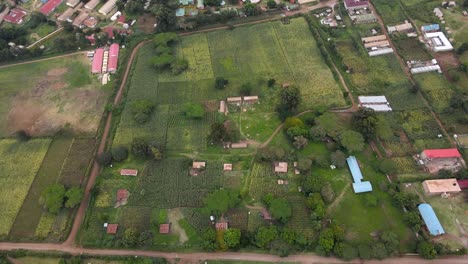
pixel 97 61
pixel 359 186
pixel 50 6
pixel 113 58
pixel 440 186
pixel 107 7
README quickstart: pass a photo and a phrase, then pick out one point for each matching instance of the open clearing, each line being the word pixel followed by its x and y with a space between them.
pixel 44 97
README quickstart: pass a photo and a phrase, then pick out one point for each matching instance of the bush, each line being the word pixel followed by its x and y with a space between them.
pixel 246 89
pixel 194 111
pixel 179 66
pixel 220 83
pixel 22 136
pixel 338 158
pixel 105 158
pixel 52 197
pixel 388 166
pixel 142 110
pixel 119 153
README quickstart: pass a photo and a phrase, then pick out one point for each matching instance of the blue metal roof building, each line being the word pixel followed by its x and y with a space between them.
pixel 433 27
pixel 430 219
pixel 358 186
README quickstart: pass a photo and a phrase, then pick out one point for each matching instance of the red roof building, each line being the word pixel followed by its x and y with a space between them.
pixel 221 226
pixel 440 153
pixel 113 58
pixel 97 61
pixel 463 184
pixel 122 194
pixel 50 6
pixel 112 228
pixel 127 172
pixel 164 228
pixel 121 19
pixel 15 16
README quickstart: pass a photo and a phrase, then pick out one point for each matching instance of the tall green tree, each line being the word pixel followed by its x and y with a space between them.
pixel 73 197
pixel 365 120
pixel 220 201
pixel 53 197
pixel 352 141
pixel 232 237
pixel 280 209
pixel 265 235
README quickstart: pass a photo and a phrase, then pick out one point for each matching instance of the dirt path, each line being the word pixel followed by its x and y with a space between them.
pixel 44 59
pixel 96 168
pixel 338 199
pixel 174 215
pixel 408 74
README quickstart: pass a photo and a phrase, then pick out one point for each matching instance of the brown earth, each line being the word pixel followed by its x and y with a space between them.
pixel 146 23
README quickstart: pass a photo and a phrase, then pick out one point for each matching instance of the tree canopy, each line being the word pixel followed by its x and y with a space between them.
pixel 280 209
pixel 53 197
pixel 352 141
pixel 365 121
pixel 194 111
pixel 232 237
pixel 265 235
pixel 73 197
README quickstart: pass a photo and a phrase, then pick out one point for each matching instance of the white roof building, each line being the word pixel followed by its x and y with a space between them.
pixel 438 41
pixel 378 103
pixel 107 7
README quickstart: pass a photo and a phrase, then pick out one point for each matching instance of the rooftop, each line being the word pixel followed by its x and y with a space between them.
pixel 281 167
pixel 128 172
pixel 227 167
pixel 430 219
pixel 15 16
pixel 354 3
pixel 221 226
pixel 112 228
pixel 441 153
pixel 441 186
pixel 164 228
pixel 50 6
pixel 198 164
pixel 359 186
pixel 122 194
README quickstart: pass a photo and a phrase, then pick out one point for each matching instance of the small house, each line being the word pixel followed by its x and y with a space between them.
pixel 122 195
pixel 112 229
pixel 281 167
pixel 164 228
pixel 66 14
pixel 441 186
pixel 283 182
pixel 250 99
pixel 356 4
pixel 92 4
pixel 296 170
pixel 199 165
pixel 90 22
pixel 437 159
pixel 222 107
pixel 227 167
pixel 239 145
pixel 234 100
pixel 78 21
pixel 221 226
pixel 72 3
pixel 15 16
pixel 128 172
pixel 107 7
pixel 265 214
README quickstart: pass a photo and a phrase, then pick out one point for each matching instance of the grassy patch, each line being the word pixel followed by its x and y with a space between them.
pixel 20 163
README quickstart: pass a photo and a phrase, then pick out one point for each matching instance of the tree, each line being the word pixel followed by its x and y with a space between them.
pixel 165 39
pixel 105 158
pixel 232 237
pixel 379 251
pixel 327 193
pixel 463 47
pixel 164 12
pixel 388 166
pixel 315 203
pixel 300 142
pixel 297 131
pixel 338 158
pixel 52 197
pixel 142 110
pixel 317 132
pixel 194 111
pixel 220 201
pixel 352 141
pixel 265 235
pixel 73 197
pixel 444 174
pixel 209 239
pixel 145 238
pixel 391 241
pixel 292 122
pixel 179 66
pixel 246 89
pixel 212 2
pixel 365 121
pixel 304 165
pixel 412 219
pixel 289 236
pixel 271 4
pixel 326 240
pixel 218 133
pixel 130 237
pixel 220 83
pixel 140 148
pixel 364 251
pixel 290 99
pixel 312 183
pixel 426 250
pixel 119 153
pixel 280 209
pixel 22 136
pixel 271 82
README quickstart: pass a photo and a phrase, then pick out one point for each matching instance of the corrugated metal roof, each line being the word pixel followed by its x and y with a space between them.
pixel 380 99
pixel 48 7
pixel 113 57
pixel 362 187
pixel 432 27
pixel 430 219
pixel 425 69
pixel 358 185
pixel 463 183
pixel 442 153
pixel 97 61
pixel 378 107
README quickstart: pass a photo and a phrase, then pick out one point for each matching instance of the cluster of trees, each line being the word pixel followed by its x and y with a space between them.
pixel 223 132
pixel 221 240
pixel 56 196
pixel 220 201
pixel 118 154
pixel 164 11
pixel 165 59
pixel 279 208
pixel 194 111
pixel 290 99
pixel 142 110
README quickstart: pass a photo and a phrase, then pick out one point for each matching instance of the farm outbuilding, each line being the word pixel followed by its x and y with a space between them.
pixel 356 4
pixel 107 7
pixel 250 99
pixel 430 220
pixel 222 107
pixel 441 186
pixel 15 16
pixel 239 145
pixel 128 172
pixel 438 41
pixel 234 100
pixel 374 39
pixel 377 103
pixel 122 194
pixel 92 4
pixel 405 27
pixel 78 21
pixel 438 159
pixel 358 185
pixel 113 58
pixel 66 14
pixel 112 228
pixel 97 61
pixel 281 167
pixel 227 167
pixel 221 226
pixel 164 228
pixel 49 7
pixel 198 165
pixel 430 28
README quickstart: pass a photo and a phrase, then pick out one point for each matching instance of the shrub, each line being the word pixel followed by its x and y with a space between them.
pixel 119 153
pixel 179 66
pixel 105 158
pixel 220 83
pixel 194 111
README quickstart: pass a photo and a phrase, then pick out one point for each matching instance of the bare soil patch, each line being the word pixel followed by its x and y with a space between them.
pixel 447 60
pixel 146 23
pixel 174 215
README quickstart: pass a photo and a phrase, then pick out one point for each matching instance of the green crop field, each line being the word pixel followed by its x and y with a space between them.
pixel 31 211
pixel 437 89
pixel 390 11
pixel 19 164
pixel 77 161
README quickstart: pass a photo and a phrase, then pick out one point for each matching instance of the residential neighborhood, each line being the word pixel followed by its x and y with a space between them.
pixel 233 131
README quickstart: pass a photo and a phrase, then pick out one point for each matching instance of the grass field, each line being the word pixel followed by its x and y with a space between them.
pixel 53 94
pixel 20 163
pixel 437 89
pixel 31 211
